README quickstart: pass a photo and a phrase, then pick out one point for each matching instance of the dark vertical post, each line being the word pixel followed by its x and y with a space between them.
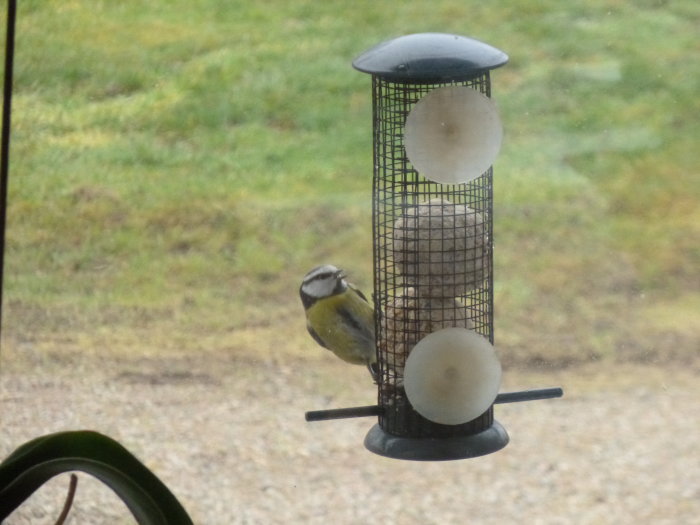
pixel 5 138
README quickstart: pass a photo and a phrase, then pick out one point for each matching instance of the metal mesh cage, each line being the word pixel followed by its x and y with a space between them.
pixel 433 255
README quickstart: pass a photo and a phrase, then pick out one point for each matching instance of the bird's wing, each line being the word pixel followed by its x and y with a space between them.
pixel 358 292
pixel 316 337
pixel 350 319
pixel 361 320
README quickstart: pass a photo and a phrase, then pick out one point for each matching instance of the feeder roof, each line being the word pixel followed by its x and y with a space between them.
pixel 430 57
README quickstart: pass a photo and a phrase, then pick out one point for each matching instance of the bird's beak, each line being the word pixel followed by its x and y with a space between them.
pixel 340 274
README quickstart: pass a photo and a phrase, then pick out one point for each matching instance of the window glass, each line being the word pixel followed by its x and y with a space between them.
pixel 178 167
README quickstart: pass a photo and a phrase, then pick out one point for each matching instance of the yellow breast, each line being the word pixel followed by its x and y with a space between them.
pixel 345 324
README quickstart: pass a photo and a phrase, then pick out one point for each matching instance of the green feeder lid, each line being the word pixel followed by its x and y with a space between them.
pixel 430 57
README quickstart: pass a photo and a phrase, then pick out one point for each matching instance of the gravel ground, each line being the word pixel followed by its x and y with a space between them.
pixel 230 440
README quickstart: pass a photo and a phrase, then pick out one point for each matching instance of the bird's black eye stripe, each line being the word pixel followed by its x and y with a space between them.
pixel 319 276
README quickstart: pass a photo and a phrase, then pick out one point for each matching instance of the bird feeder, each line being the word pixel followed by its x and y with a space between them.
pixel 436 134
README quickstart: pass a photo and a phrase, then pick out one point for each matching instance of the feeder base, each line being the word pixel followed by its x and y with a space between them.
pixel 436 449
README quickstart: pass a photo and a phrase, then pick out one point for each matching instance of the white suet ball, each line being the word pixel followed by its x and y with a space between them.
pixel 441 248
pixel 407 319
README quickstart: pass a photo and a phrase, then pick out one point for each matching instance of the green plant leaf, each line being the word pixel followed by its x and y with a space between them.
pixel 40 459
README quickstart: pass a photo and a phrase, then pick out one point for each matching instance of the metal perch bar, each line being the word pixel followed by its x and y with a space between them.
pixel 375 410
pixel 343 413
pixel 529 395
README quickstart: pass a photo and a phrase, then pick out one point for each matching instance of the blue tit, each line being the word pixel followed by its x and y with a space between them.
pixel 339 317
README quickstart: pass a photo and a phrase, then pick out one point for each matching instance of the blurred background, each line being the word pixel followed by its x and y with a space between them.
pixel 177 167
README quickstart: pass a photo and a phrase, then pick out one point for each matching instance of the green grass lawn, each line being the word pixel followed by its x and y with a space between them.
pixel 177 166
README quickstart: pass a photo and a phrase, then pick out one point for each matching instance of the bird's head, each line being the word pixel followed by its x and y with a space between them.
pixel 322 281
